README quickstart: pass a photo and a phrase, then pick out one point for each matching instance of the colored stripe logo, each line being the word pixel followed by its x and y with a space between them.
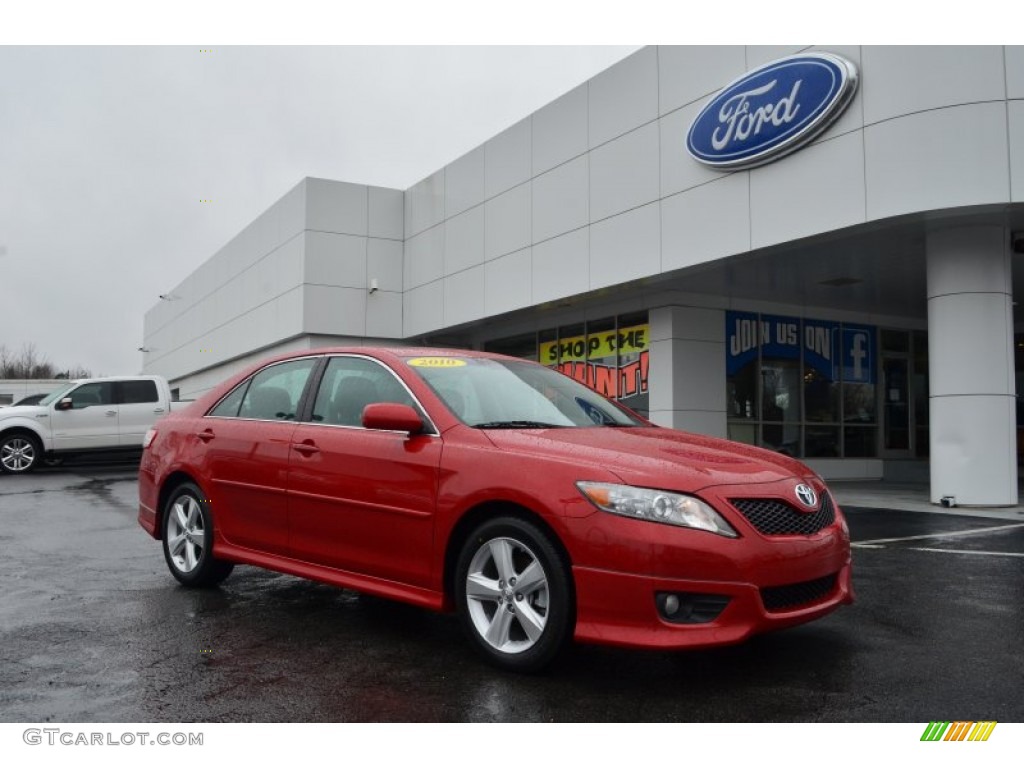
pixel 958 731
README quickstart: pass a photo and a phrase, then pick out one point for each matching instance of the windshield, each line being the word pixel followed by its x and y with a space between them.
pixel 496 394
pixel 55 395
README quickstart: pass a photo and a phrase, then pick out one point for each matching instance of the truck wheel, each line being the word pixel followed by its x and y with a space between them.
pixel 188 539
pixel 19 453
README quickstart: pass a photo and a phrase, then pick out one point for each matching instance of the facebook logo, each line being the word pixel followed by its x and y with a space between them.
pixel 858 355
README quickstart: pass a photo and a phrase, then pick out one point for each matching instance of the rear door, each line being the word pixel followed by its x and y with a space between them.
pixel 246 441
pixel 139 407
pixel 362 500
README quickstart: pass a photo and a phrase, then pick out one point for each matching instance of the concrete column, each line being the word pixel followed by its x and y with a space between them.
pixel 970 366
pixel 687 375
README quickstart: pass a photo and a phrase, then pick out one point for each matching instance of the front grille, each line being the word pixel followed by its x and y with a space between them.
pixel 790 596
pixel 774 517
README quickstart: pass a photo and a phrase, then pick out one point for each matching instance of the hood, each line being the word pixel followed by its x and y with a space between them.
pixel 655 457
pixel 24 411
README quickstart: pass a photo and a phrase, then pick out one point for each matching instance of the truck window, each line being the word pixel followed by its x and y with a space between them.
pixel 93 393
pixel 142 391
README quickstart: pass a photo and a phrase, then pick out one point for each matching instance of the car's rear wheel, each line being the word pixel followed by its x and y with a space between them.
pixel 188 539
pixel 514 594
pixel 19 453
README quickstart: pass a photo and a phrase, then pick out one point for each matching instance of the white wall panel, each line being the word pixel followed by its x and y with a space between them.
pixel 561 199
pixel 508 158
pixel 464 296
pixel 624 172
pixel 464 240
pixel 679 171
pixel 423 309
pixel 387 213
pixel 384 262
pixel 624 96
pixel 1016 151
pixel 424 204
pixel 560 130
pixel 328 309
pixel 464 182
pixel 976 332
pixel 507 222
pixel 938 159
pixel 758 55
pixel 508 282
pixel 706 223
pixel 625 247
pixel 561 267
pixel 424 257
pixel 817 189
pixel 973 450
pixel 333 206
pixel 335 259
pixel 1014 56
pixel 899 80
pixel 687 73
pixel 384 315
pixel 291 218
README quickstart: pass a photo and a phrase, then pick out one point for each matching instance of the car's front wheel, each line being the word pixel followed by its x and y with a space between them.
pixel 514 594
pixel 19 453
pixel 188 539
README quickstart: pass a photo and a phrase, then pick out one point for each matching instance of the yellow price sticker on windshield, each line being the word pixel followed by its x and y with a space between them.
pixel 437 362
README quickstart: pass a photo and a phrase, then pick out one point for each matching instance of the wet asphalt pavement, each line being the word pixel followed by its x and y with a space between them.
pixel 93 628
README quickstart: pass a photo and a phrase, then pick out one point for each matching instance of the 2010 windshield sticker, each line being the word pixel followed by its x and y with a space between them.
pixel 436 362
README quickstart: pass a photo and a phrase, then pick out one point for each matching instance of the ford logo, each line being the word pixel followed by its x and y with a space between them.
pixel 772 111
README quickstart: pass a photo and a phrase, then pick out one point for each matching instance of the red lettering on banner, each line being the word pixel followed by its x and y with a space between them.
pixel 604 380
pixel 627 381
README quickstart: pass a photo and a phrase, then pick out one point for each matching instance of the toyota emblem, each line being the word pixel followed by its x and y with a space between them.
pixel 807 496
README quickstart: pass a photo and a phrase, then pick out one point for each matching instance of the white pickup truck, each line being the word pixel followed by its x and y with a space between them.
pixel 88 416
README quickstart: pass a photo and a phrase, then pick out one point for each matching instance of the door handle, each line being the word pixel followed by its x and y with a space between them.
pixel 206 435
pixel 158 410
pixel 111 413
pixel 306 447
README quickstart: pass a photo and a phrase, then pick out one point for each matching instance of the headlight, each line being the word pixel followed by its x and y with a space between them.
pixel 656 506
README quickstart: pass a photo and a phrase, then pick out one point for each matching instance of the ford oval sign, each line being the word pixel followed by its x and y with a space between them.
pixel 772 111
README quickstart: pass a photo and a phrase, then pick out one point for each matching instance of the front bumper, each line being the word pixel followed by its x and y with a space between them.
pixel 766 582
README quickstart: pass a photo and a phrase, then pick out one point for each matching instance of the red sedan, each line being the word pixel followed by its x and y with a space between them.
pixel 535 508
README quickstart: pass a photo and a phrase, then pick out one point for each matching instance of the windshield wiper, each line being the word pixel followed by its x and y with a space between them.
pixel 518 424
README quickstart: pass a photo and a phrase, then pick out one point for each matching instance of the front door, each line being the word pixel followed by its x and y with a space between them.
pixel 362 500
pixel 91 422
pixel 896 426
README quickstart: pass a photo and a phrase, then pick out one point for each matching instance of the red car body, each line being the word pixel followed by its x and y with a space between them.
pixel 385 513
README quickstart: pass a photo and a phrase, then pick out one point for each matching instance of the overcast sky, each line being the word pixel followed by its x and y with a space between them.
pixel 106 153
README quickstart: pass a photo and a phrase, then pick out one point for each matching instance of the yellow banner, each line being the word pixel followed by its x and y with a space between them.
pixel 596 346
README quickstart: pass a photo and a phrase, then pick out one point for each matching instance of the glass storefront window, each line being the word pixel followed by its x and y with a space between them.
pixel 792 384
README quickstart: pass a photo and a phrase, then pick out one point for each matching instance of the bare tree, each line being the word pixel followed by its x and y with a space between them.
pixel 29 364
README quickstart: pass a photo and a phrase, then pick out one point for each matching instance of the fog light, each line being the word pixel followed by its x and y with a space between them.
pixel 690 607
pixel 671 605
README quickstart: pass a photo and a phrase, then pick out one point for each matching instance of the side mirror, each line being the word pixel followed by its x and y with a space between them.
pixel 394 417
pixel 65 404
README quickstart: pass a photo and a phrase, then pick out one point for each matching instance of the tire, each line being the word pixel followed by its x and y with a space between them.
pixel 514 594
pixel 20 453
pixel 188 539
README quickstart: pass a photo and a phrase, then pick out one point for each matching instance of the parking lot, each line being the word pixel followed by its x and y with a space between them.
pixel 93 628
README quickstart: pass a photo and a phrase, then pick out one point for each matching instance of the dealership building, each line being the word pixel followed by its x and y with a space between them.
pixel 810 249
